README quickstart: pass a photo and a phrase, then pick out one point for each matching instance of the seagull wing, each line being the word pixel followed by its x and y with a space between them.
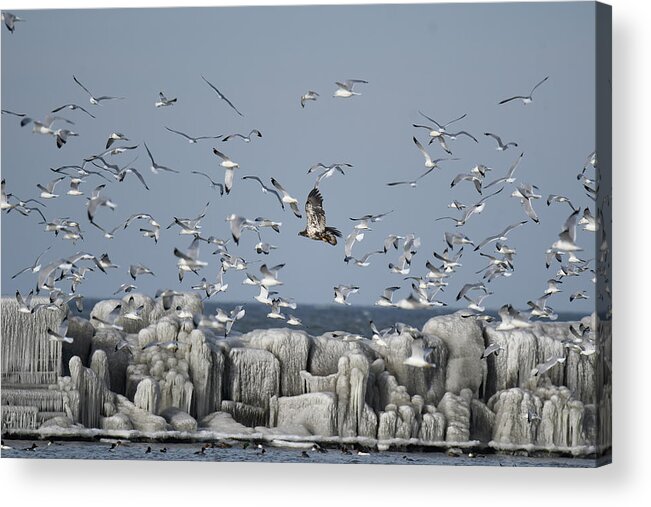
pixel 82 86
pixel 180 133
pixel 428 159
pixel 537 85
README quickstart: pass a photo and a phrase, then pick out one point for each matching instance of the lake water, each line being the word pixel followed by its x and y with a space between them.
pixel 318 319
pixel 186 452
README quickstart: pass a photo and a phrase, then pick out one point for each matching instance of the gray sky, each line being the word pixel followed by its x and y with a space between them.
pixel 445 60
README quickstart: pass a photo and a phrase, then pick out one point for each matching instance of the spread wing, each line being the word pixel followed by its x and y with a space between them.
pixel 316 219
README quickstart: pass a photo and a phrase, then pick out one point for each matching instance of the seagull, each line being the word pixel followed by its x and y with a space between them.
pixel 500 145
pixel 354 237
pixel 115 136
pixel 275 311
pixel 10 20
pixel 96 101
pixel 411 183
pixel 287 199
pixel 552 287
pixel 429 163
pixel 471 286
pixel 391 240
pixel 540 309
pixel 239 224
pixel 189 260
pixel 230 166
pixel 526 99
pixel 418 355
pixel 457 238
pixel 266 189
pixel 72 107
pixel 476 180
pixel 221 96
pixel 364 261
pixel 47 192
pixel 579 295
pixel 511 319
pixel 192 140
pixel 342 292
pixel 439 133
pixel 35 267
pixel 96 201
pixel 310 95
pixel 588 221
pixel 327 173
pixel 136 270
pixel 60 335
pixel 245 138
pixel 386 299
pixel 559 198
pixel 155 168
pixel 213 184
pixel 492 348
pixel 163 101
pixel 345 89
pixel 501 236
pixel 25 305
pixel 368 219
pixel 270 275
pixel 526 193
pixel 567 238
pixel 125 287
pixel 509 174
pixel 62 136
pixel 542 368
pixel 336 165
pixel 471 210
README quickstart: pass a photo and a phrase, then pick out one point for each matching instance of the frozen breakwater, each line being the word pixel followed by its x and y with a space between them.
pixel 284 384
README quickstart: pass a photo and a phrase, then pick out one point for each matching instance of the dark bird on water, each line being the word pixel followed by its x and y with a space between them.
pixel 316 220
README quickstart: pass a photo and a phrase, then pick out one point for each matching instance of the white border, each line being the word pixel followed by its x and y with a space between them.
pixel 626 482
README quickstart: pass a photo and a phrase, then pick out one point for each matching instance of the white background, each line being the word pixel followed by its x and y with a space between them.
pixel 626 482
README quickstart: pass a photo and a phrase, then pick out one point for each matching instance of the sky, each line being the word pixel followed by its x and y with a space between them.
pixel 443 59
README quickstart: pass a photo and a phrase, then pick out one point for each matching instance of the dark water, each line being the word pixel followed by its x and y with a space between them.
pixel 186 452
pixel 318 319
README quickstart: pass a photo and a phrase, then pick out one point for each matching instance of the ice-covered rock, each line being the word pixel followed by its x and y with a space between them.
pixel 92 391
pixel 27 354
pixel 318 384
pixel 426 382
pixel 517 417
pixel 106 339
pixel 316 412
pixel 456 409
pixel 60 421
pixel 291 347
pixel 141 420
pixel 119 421
pixel 206 368
pixel 222 422
pixel 245 414
pixel 482 421
pixel 432 426
pixel 326 351
pixel 524 349
pixel 465 345
pixel 81 331
pixel 147 395
pixel 178 419
pixel 252 376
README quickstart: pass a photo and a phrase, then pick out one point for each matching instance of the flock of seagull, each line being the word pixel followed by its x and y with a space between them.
pixel 425 286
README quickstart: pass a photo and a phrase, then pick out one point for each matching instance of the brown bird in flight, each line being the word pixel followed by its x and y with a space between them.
pixel 316 220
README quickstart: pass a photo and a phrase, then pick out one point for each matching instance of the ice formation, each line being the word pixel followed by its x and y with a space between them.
pixel 161 374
